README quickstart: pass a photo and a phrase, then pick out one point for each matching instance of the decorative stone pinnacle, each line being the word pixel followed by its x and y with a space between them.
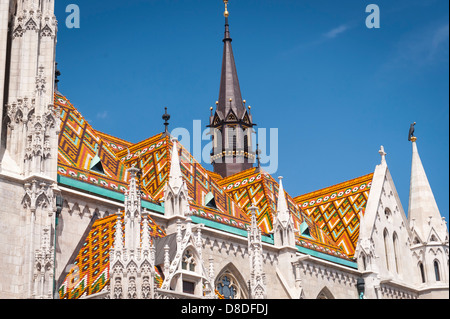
pixel 383 154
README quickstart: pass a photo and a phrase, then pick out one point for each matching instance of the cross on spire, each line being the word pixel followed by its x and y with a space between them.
pixel 383 154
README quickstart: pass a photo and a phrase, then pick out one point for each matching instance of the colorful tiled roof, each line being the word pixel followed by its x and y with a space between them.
pixel 90 269
pixel 79 144
pixel 153 156
pixel 114 143
pixel 336 210
pixel 256 187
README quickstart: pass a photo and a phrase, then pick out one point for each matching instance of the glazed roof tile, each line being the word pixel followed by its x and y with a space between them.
pixel 89 273
pixel 259 188
pixel 336 209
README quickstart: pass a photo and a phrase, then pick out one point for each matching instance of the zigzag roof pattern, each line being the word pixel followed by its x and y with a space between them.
pixel 259 188
pixel 79 143
pixel 114 143
pixel 90 268
pixel 153 156
pixel 336 209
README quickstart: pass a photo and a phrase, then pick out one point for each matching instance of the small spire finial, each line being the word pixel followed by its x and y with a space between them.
pixel 383 154
pixel 226 13
pixel 166 118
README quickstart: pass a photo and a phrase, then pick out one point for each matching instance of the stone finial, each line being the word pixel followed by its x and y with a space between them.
pixel 166 118
pixel 383 154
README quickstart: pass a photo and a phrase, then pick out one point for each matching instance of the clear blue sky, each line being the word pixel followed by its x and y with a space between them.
pixel 335 89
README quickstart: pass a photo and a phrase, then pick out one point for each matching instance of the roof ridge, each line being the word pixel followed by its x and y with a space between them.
pixel 333 187
pixel 115 137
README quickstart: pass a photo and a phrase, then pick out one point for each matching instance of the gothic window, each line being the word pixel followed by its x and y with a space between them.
pixel 325 293
pixel 396 253
pixel 188 262
pixel 232 138
pixel 227 287
pixel 386 249
pixel 230 284
pixel 364 262
pixel 422 272
pixel 436 271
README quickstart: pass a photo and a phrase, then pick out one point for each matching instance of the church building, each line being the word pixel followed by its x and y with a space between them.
pixel 84 214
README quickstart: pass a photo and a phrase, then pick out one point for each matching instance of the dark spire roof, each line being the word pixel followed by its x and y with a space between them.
pixel 229 83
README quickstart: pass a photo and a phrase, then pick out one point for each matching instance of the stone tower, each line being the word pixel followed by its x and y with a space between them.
pixel 28 146
pixel 231 125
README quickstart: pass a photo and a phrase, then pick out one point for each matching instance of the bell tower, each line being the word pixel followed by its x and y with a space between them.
pixel 231 124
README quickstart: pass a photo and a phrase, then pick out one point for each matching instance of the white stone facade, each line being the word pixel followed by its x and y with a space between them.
pixel 396 257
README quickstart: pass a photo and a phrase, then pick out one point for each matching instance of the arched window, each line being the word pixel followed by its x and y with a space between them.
pixel 422 272
pixel 364 262
pixel 246 143
pixel 437 272
pixel 188 262
pixel 386 247
pixel 228 286
pixel 325 293
pixel 232 138
pixel 396 252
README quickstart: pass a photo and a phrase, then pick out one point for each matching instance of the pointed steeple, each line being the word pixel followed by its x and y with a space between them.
pixel 176 194
pixel 283 226
pixel 423 212
pixel 282 209
pixel 230 97
pixel 175 176
pixel 231 124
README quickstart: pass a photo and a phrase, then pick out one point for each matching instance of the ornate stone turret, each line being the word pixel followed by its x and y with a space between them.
pixel 133 259
pixel 30 136
pixel 258 276
pixel 176 196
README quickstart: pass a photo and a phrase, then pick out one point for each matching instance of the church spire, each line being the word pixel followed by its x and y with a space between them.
pixel 231 125
pixel 230 97
pixel 423 212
